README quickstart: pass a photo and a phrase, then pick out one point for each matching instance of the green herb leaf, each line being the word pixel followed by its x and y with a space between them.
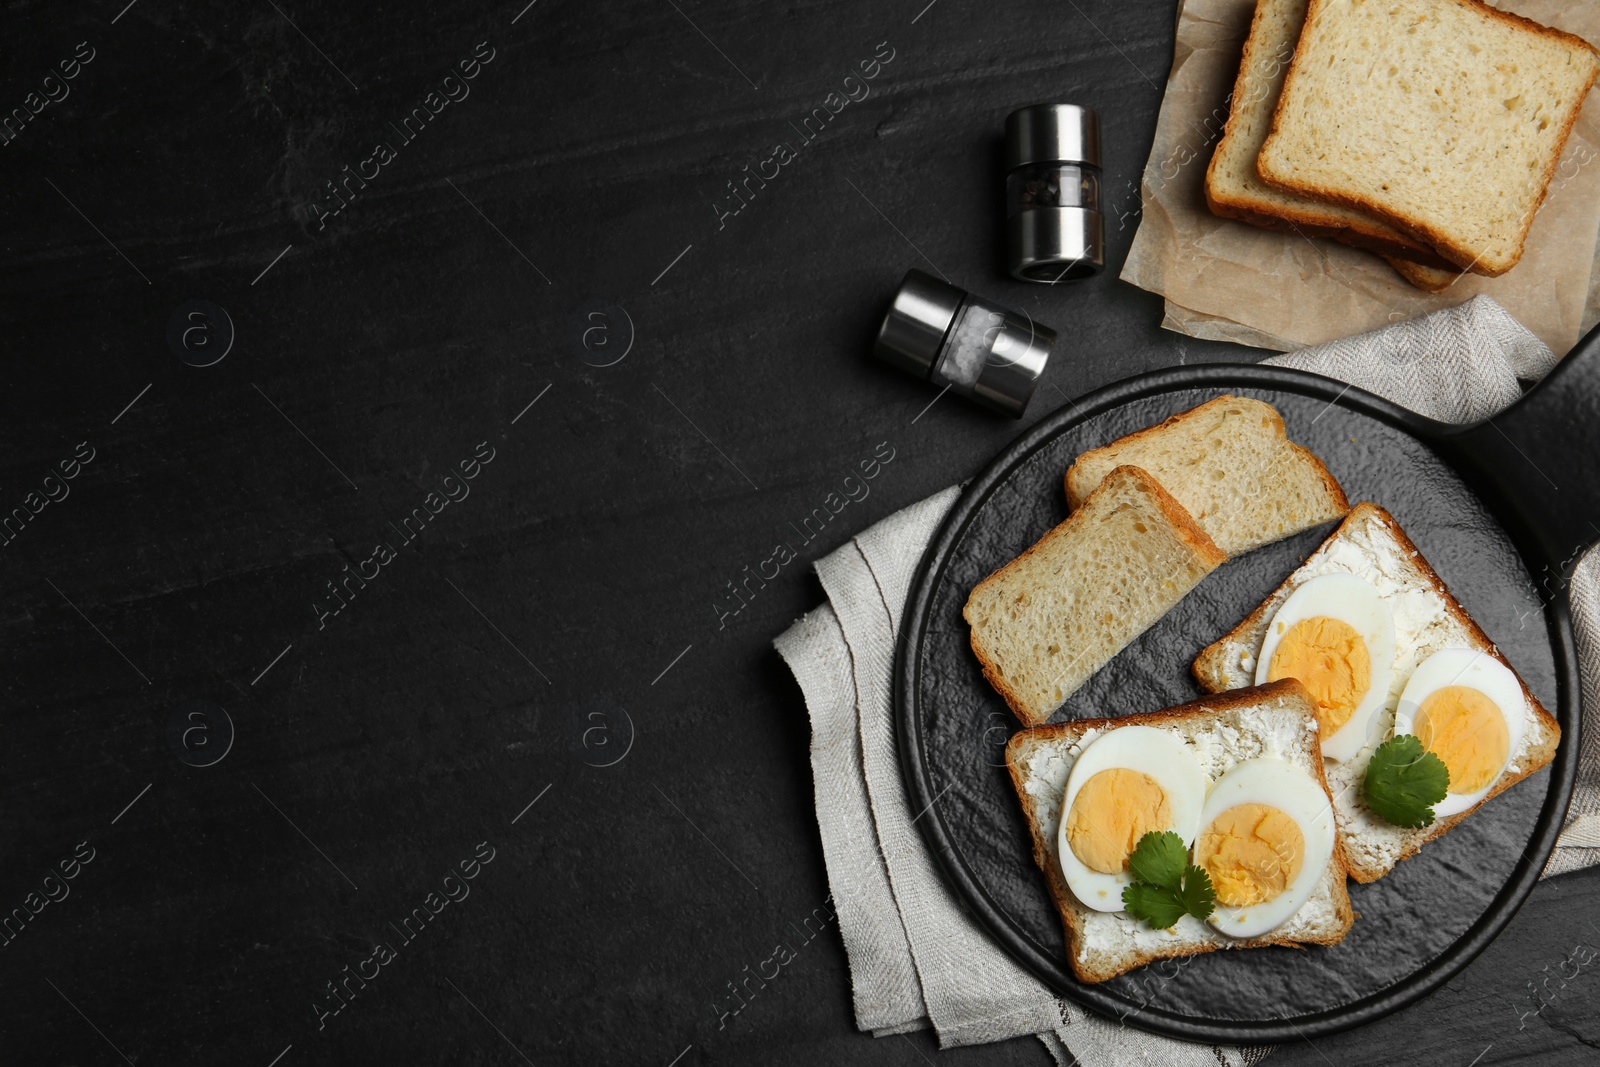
pixel 1166 885
pixel 1198 896
pixel 1404 781
pixel 1156 905
pixel 1158 860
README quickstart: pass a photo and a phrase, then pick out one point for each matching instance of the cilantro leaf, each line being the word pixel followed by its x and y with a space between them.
pixel 1158 860
pixel 1166 886
pixel 1404 781
pixel 1156 905
pixel 1198 896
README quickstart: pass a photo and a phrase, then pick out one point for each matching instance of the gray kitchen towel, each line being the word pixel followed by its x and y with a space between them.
pixel 916 958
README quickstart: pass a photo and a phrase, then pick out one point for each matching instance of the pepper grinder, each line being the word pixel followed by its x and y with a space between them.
pixel 1054 229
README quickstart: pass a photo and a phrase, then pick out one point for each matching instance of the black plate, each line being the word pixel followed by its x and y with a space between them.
pixel 1481 505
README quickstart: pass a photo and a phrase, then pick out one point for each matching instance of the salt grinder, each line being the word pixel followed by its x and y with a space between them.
pixel 986 352
pixel 1054 229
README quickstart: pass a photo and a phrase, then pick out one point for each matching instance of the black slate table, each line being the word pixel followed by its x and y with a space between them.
pixel 394 398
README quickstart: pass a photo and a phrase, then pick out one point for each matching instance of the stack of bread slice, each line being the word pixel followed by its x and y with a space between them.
pixel 1424 130
pixel 1152 515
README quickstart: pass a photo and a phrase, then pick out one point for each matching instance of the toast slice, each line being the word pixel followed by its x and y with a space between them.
pixel 1276 720
pixel 1443 118
pixel 1046 621
pixel 1231 465
pixel 1370 544
pixel 1233 187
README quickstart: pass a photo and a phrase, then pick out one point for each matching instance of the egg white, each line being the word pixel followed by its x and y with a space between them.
pixel 1474 669
pixel 1156 753
pixel 1278 784
pixel 1355 602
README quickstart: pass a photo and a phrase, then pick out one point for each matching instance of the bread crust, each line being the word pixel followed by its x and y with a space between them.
pixel 1182 524
pixel 1073 913
pixel 1281 429
pixel 1386 243
pixel 1457 254
pixel 1207 671
pixel 1427 278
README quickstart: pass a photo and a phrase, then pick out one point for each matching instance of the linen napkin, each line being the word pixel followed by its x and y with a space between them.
pixel 916 958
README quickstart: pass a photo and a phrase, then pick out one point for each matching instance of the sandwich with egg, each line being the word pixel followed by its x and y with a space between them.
pixel 1201 827
pixel 1411 696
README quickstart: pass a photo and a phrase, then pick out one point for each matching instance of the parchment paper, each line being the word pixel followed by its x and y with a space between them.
pixel 1228 280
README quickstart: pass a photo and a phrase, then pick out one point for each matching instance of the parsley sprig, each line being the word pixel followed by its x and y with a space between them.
pixel 1404 781
pixel 1166 885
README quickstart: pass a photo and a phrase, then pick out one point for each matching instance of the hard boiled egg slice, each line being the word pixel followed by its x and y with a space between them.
pixel 1266 835
pixel 1467 708
pixel 1336 635
pixel 1129 781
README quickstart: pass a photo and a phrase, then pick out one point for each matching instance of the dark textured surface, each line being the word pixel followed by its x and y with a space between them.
pixel 597 545
pixel 1408 918
pixel 1544 452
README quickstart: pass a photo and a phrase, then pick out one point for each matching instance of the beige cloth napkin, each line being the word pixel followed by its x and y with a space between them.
pixel 916 958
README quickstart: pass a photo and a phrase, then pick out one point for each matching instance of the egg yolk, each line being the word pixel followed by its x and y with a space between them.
pixel 1331 660
pixel 1111 812
pixel 1466 730
pixel 1252 852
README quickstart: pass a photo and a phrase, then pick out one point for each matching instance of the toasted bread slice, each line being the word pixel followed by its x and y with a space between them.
pixel 1046 621
pixel 1277 720
pixel 1370 544
pixel 1443 118
pixel 1231 465
pixel 1233 187
pixel 1428 279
